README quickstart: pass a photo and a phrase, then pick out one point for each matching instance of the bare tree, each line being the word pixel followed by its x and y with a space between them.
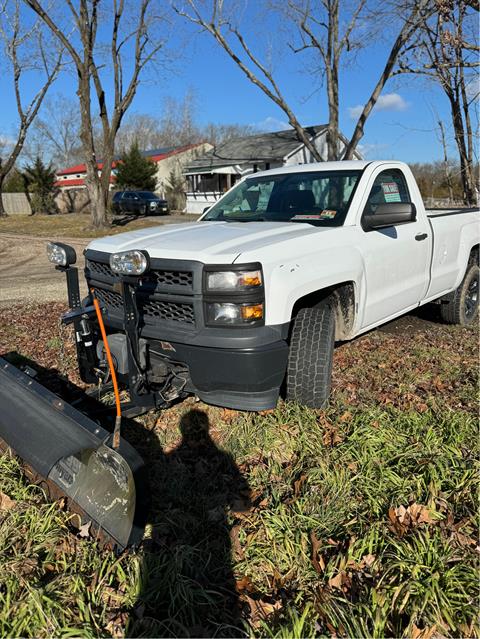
pixel 140 128
pixel 326 27
pixel 220 26
pixel 56 132
pixel 446 164
pixel 26 51
pixel 178 126
pixel 132 42
pixel 446 50
pixel 218 133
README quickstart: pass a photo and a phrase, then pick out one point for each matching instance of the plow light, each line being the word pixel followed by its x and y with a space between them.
pixel 61 254
pixel 129 262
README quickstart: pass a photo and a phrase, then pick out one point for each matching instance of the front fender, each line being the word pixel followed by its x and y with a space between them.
pixel 290 280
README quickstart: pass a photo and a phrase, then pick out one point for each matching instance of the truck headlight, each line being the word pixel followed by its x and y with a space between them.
pixel 234 280
pixel 230 313
pixel 129 262
pixel 61 254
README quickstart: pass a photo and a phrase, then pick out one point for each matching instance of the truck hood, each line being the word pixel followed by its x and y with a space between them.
pixel 208 242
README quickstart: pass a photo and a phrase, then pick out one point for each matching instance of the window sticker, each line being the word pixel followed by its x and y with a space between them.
pixel 308 216
pixel 391 192
pixel 328 214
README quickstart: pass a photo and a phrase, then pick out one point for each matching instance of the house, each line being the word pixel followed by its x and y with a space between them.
pixel 167 159
pixel 214 172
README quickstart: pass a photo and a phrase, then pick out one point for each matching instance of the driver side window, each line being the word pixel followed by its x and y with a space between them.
pixel 389 186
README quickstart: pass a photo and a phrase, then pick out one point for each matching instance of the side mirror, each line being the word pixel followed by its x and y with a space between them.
pixel 207 208
pixel 389 214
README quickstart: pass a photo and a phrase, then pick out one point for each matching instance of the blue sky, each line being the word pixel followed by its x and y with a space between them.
pixel 402 127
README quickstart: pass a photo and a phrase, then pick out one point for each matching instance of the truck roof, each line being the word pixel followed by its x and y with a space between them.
pixel 342 165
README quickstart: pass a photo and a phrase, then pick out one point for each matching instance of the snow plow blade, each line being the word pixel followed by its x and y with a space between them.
pixel 73 454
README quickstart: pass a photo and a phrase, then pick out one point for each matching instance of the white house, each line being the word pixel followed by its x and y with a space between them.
pixel 214 172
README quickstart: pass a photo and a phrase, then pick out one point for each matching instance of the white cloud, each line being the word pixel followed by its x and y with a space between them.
pixel 473 89
pixel 270 124
pixel 372 151
pixel 386 102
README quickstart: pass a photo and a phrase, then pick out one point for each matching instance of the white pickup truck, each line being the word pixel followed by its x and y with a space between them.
pixel 249 301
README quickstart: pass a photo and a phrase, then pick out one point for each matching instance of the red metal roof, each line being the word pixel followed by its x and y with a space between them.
pixel 80 168
pixel 77 182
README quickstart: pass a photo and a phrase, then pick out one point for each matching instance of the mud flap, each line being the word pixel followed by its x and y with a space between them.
pixel 72 453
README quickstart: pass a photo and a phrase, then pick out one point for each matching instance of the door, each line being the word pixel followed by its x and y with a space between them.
pixel 397 258
pixel 125 202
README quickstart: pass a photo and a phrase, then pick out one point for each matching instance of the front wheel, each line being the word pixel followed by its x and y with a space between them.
pixel 461 306
pixel 309 371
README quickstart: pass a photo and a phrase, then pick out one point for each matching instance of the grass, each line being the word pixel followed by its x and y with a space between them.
pixel 73 225
pixel 360 520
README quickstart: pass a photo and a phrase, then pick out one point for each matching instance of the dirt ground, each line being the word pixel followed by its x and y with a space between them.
pixel 26 275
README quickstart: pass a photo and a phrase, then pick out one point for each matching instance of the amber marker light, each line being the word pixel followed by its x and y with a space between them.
pixel 254 312
pixel 253 278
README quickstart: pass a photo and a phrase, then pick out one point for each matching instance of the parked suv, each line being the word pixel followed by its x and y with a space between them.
pixel 138 203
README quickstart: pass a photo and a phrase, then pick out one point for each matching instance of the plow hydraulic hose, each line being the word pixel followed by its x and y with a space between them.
pixel 118 418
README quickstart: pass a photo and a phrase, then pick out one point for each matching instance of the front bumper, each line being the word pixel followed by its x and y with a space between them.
pixel 243 379
pixel 241 367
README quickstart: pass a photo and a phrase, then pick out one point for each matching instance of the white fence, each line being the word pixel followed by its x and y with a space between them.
pixel 16 204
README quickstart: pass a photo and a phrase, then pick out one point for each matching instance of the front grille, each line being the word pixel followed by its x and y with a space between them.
pixel 100 268
pixel 110 299
pixel 169 311
pixel 163 294
pixel 151 310
pixel 174 278
pixel 182 279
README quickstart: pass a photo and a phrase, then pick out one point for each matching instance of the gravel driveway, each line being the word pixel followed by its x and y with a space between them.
pixel 26 275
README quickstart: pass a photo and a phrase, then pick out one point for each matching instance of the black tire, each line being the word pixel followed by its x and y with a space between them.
pixel 461 306
pixel 309 372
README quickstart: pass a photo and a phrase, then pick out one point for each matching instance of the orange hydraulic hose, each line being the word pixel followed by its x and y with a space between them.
pixel 118 418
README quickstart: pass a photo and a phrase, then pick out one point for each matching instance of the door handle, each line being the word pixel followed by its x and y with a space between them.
pixel 421 236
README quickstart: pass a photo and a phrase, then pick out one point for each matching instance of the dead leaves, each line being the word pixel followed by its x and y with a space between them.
pixel 116 626
pixel 342 581
pixel 237 548
pixel 6 503
pixel 403 519
pixel 259 609
pixel 317 559
pixel 424 633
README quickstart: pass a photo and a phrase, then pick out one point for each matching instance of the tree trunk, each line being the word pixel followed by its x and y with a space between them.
pixel 332 79
pixel 333 123
pixel 459 132
pixel 448 177
pixel 92 180
pixel 3 213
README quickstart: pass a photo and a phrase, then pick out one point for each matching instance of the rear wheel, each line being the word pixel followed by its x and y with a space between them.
pixel 461 306
pixel 310 357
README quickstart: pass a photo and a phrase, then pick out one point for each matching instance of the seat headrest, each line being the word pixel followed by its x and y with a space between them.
pixel 298 200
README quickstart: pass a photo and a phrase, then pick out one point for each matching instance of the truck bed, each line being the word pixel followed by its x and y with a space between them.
pixel 442 212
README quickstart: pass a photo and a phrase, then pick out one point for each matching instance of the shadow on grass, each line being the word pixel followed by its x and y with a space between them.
pixel 186 586
pixel 124 220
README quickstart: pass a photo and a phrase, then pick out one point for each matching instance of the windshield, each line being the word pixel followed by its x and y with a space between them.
pixel 320 198
pixel 146 195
